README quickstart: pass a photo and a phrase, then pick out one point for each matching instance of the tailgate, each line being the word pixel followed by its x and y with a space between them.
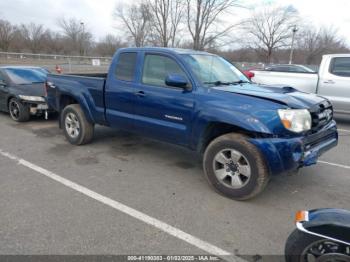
pixel 50 93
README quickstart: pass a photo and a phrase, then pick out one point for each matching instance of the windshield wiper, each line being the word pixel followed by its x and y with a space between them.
pixel 226 83
pixel 218 83
pixel 30 83
pixel 239 82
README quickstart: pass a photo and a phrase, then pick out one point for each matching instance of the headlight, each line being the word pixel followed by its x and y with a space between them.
pixel 32 98
pixel 296 120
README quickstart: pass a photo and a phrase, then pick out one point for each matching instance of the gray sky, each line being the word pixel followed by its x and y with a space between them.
pixel 97 15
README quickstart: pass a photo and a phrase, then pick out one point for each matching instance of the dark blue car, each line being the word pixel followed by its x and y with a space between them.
pixel 245 132
pixel 22 91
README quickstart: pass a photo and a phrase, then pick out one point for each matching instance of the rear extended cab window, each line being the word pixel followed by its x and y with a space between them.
pixel 340 66
pixel 157 67
pixel 126 65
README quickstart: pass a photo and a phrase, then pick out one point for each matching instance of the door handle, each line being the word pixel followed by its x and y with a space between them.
pixel 329 82
pixel 140 94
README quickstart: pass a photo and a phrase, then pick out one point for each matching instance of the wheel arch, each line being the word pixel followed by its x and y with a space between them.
pixel 328 222
pixel 215 129
pixel 67 99
pixel 9 98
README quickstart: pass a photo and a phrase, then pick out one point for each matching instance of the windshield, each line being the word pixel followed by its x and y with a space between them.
pixel 213 70
pixel 308 69
pixel 25 76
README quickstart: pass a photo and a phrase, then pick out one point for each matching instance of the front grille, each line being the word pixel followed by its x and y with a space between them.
pixel 321 115
pixel 316 139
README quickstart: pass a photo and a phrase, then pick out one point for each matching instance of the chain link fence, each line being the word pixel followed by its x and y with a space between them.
pixel 67 64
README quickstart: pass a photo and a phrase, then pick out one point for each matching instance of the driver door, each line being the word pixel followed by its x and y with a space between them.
pixel 162 111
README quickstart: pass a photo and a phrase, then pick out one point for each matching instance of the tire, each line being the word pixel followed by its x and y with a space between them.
pixel 73 118
pixel 251 161
pixel 296 243
pixel 18 111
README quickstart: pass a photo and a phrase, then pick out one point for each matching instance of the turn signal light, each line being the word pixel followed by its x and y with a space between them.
pixel 301 216
pixel 287 124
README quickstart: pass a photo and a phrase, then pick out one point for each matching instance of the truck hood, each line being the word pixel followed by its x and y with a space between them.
pixel 280 94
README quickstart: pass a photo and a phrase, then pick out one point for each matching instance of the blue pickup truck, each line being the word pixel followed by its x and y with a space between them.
pixel 245 132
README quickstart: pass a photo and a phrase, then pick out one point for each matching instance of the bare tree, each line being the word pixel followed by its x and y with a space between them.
pixel 136 19
pixel 108 45
pixel 270 29
pixel 71 28
pixel 77 34
pixel 166 18
pixel 53 42
pixel 313 43
pixel 203 22
pixel 33 35
pixel 7 32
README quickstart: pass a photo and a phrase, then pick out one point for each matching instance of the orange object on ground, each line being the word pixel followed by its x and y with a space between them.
pixel 58 69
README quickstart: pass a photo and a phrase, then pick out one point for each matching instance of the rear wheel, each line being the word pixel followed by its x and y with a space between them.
pixel 18 111
pixel 235 167
pixel 77 129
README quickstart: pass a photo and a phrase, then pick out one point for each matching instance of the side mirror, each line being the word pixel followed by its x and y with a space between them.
pixel 176 80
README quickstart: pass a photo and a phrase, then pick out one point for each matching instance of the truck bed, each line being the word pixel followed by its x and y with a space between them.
pixel 90 86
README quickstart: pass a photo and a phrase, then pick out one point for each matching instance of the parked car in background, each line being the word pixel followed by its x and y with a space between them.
pixel 243 131
pixel 248 74
pixel 22 91
pixel 289 68
pixel 332 80
pixel 247 70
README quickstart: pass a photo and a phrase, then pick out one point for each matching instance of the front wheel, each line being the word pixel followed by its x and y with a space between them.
pixel 302 247
pixel 77 129
pixel 235 167
pixel 18 111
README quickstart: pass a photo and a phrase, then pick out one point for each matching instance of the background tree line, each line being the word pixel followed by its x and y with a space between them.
pixel 264 36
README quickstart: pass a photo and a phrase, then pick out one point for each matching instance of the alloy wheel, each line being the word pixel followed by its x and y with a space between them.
pixel 72 125
pixel 232 168
pixel 14 110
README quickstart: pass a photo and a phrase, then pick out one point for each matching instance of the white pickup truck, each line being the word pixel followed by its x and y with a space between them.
pixel 332 80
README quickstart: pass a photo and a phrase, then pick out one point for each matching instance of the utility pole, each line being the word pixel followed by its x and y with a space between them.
pixel 82 38
pixel 294 30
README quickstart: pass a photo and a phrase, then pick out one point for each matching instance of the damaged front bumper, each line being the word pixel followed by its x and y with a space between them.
pixel 36 106
pixel 289 154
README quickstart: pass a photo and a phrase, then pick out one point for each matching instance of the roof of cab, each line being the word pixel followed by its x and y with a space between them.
pixel 165 50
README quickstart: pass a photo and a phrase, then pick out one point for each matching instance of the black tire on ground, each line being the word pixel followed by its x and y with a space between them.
pixel 86 129
pixel 296 244
pixel 18 111
pixel 259 174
